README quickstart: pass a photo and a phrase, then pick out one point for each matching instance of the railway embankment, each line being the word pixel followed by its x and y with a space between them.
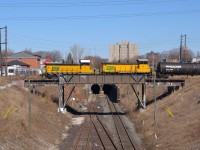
pixel 173 123
pixel 44 130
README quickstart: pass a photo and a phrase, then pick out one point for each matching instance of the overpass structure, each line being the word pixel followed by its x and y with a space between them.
pixel 136 81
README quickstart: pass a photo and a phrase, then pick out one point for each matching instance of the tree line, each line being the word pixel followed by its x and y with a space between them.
pixel 172 55
pixel 76 53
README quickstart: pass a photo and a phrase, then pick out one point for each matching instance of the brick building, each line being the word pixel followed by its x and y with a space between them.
pixel 32 60
pixel 153 58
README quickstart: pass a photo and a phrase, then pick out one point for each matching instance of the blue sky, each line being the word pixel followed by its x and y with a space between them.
pixel 56 25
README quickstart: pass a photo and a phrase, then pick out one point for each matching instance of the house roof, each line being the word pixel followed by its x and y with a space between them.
pixel 16 62
pixel 46 60
pixel 22 55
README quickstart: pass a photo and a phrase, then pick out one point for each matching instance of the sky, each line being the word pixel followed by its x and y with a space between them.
pixel 47 25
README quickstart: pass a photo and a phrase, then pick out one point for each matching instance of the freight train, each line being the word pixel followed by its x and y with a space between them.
pixel 163 70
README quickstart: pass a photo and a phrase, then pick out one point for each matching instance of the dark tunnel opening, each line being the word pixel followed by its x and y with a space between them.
pixel 95 89
pixel 107 88
pixel 112 91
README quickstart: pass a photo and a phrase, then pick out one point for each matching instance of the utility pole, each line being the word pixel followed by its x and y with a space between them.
pixel 180 50
pixel 181 47
pixel 185 40
pixel 154 91
pixel 6 47
pixel 29 102
pixel 1 55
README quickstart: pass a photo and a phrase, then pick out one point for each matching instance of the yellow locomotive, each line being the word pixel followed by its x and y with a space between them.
pixel 55 68
pixel 141 67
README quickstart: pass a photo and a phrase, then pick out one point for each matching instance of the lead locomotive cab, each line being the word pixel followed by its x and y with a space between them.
pixel 143 66
pixel 84 65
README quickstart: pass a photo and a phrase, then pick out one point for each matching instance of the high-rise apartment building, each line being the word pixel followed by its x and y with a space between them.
pixel 123 52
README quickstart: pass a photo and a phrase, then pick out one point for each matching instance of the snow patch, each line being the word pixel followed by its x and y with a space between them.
pixel 77 121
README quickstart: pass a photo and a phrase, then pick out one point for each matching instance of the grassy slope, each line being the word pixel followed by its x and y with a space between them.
pixel 46 124
pixel 181 132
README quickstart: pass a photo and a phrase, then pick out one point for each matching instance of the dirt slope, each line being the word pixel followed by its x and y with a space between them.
pixel 178 132
pixel 47 125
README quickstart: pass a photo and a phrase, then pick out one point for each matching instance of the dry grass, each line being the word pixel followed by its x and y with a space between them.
pixel 46 127
pixel 181 132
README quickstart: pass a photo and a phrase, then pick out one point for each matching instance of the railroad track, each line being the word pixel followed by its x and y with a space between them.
pixel 94 133
pixel 104 136
pixel 93 129
pixel 123 134
pixel 82 140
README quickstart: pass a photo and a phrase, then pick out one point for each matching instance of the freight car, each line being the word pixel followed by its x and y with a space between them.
pixel 141 67
pixel 54 68
pixel 170 68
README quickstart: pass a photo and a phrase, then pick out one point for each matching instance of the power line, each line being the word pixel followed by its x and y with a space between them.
pixel 56 43
pixel 89 3
pixel 103 16
pixel 52 42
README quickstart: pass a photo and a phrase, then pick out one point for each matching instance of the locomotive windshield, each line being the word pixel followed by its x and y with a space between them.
pixel 142 61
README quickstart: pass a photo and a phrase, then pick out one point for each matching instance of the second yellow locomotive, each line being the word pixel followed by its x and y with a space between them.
pixel 141 67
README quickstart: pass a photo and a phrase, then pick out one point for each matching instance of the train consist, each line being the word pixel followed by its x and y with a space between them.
pixel 163 70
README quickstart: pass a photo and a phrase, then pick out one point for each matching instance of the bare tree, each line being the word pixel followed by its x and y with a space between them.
pixel 96 61
pixel 9 52
pixel 69 59
pixel 43 54
pixel 28 50
pixel 55 55
pixel 173 55
pixel 77 52
pixel 164 55
pixel 198 54
pixel 187 54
